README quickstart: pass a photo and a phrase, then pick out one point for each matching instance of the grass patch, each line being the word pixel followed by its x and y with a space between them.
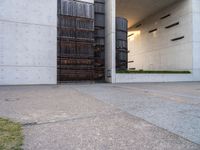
pixel 153 72
pixel 11 137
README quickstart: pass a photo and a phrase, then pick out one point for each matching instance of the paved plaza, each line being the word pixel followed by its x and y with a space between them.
pixel 145 116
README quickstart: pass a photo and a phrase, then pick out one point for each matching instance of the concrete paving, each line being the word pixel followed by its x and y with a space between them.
pixel 172 106
pixel 106 116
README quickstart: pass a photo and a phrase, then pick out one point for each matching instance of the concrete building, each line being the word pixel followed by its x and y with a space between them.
pixel 163 35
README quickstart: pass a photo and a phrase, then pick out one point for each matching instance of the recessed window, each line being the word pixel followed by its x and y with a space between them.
pixel 172 25
pixel 178 38
pixel 153 30
pixel 166 16
pixel 131 35
pixel 138 25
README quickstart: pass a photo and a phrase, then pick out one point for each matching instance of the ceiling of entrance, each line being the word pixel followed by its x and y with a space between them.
pixel 136 10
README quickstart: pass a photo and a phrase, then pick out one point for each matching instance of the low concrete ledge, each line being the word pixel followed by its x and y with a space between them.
pixel 131 78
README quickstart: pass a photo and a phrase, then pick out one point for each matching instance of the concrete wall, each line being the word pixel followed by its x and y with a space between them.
pixel 28 37
pixel 156 51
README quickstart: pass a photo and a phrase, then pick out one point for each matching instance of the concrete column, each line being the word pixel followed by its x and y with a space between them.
pixel 110 46
pixel 28 42
pixel 196 38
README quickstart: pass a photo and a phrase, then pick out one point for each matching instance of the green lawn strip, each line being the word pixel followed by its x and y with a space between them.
pixel 11 137
pixel 153 72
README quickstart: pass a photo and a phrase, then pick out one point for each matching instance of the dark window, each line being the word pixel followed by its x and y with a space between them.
pixel 138 25
pixel 178 38
pixel 172 25
pixel 166 16
pixel 153 30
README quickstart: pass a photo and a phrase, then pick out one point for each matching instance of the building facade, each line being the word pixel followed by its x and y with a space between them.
pixel 164 36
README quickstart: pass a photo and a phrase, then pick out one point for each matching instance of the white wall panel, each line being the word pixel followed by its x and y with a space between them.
pixel 28 42
pixel 28 45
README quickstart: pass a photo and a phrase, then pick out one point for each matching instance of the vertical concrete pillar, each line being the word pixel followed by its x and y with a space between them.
pixel 196 38
pixel 110 46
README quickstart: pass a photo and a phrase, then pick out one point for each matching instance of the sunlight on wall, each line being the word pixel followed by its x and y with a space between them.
pixel 133 34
